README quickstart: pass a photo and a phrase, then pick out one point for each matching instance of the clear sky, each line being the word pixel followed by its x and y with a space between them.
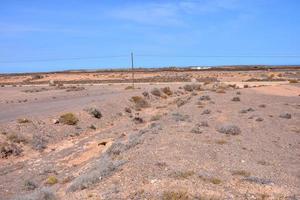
pixel 76 34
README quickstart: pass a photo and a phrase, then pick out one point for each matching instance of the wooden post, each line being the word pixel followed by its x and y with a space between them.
pixel 132 69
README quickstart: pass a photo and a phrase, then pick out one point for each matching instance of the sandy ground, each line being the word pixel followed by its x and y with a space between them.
pixel 171 148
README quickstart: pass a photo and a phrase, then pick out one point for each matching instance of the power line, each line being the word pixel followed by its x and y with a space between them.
pixel 150 56
pixel 219 56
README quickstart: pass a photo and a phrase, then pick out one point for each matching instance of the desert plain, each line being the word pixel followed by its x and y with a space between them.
pixel 176 134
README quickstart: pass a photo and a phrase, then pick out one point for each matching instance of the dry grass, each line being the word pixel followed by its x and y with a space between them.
pixel 51 180
pixel 182 174
pixel 129 87
pixel 167 91
pixel 175 195
pixel 293 81
pixel 16 138
pixel 155 117
pixel 140 102
pixel 240 173
pixel 221 142
pixel 69 119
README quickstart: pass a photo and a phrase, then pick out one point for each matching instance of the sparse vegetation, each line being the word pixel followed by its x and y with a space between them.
pixel 236 99
pixel 175 195
pixel 155 117
pixel 188 88
pixel 30 185
pixel 229 129
pixel 16 138
pixel 167 91
pixel 140 102
pixel 221 142
pixel 293 81
pixel 51 180
pixel 240 173
pixel 182 174
pixel 69 119
pixel 8 149
pixel 94 112
pixel 156 92
pixel 130 87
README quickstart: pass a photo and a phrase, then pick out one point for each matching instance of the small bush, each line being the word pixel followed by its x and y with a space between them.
pixel 156 92
pixel 16 138
pixel 69 119
pixel 167 91
pixel 128 110
pixel 204 98
pixel 188 88
pixel 30 185
pixel 221 142
pixel 130 87
pixel 140 102
pixel 236 99
pixel 172 195
pixel 51 180
pixel 230 129
pixel 38 143
pixel 155 118
pixel 293 81
pixel 7 150
pixel 94 112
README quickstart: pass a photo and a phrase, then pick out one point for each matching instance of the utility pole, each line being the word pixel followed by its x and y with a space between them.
pixel 132 70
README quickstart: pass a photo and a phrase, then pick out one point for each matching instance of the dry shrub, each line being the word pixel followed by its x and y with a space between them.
pixel 188 88
pixel 51 180
pixel 69 119
pixel 130 87
pixel 16 138
pixel 240 173
pixel 140 102
pixel 155 117
pixel 7 150
pixel 175 195
pixel 167 91
pixel 156 92
pixel 293 81
pixel 182 174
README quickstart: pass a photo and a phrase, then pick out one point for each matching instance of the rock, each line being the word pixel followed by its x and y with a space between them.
pixel 128 110
pixel 286 116
pixel 55 121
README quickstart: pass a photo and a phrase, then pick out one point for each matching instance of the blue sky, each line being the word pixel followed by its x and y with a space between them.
pixel 53 32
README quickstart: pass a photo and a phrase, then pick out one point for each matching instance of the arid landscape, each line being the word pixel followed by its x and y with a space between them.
pixel 227 133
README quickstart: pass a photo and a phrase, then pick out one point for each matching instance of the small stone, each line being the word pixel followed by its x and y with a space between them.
pixel 286 116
